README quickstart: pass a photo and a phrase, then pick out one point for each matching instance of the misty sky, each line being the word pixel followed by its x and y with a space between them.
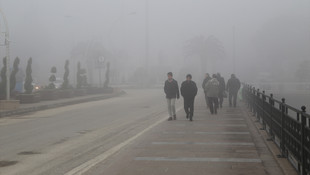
pixel 47 30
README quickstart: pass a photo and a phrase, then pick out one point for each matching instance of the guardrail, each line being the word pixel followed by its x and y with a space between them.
pixel 286 125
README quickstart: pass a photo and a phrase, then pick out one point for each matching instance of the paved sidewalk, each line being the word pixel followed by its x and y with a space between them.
pixel 33 107
pixel 226 144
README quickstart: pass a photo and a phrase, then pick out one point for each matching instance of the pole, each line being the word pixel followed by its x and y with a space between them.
pixel 100 80
pixel 234 49
pixel 146 36
pixel 7 43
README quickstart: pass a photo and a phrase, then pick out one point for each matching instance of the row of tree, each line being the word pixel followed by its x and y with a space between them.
pixel 28 83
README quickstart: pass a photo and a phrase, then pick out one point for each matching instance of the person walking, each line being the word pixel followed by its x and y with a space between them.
pixel 172 93
pixel 233 86
pixel 189 92
pixel 222 88
pixel 213 88
pixel 206 79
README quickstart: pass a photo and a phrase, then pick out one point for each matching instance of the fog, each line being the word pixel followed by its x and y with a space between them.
pixel 259 41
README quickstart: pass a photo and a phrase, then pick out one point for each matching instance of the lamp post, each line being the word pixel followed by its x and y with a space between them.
pixel 146 36
pixel 110 34
pixel 7 44
pixel 234 50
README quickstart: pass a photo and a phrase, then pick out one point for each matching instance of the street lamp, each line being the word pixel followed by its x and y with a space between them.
pixel 7 44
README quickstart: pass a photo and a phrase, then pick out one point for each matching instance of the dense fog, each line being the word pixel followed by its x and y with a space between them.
pixel 261 41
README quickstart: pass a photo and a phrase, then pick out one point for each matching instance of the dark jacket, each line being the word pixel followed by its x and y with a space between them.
pixel 233 85
pixel 189 89
pixel 172 89
pixel 205 82
pixel 222 84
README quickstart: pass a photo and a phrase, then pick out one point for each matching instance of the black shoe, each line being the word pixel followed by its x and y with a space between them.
pixel 174 117
pixel 187 116
pixel 170 118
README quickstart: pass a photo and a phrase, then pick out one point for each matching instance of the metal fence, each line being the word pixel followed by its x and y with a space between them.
pixel 286 125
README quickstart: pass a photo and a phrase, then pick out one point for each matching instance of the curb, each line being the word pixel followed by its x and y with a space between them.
pixel 59 104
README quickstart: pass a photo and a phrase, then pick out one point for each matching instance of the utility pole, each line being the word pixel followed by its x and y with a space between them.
pixel 7 44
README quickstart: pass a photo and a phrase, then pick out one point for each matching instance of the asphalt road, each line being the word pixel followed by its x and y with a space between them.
pixel 57 141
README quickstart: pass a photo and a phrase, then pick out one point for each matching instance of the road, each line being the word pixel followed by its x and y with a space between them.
pixel 62 140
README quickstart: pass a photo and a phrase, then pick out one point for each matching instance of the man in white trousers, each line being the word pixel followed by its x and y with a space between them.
pixel 172 93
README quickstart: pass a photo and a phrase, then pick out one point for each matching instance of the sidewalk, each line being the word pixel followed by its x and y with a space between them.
pixel 33 107
pixel 226 144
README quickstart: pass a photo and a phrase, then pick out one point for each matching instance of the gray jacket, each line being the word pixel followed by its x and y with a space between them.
pixel 212 88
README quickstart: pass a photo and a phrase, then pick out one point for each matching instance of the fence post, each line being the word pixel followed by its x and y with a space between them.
pixel 303 125
pixel 263 110
pixel 271 102
pixel 253 101
pixel 258 105
pixel 282 142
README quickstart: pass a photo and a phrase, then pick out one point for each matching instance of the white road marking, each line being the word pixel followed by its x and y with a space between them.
pixel 199 159
pixel 223 133
pixel 91 163
pixel 204 143
pixel 214 125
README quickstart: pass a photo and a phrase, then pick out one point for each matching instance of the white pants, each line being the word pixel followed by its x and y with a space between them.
pixel 171 106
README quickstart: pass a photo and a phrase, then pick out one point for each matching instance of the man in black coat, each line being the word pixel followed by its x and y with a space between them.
pixel 221 89
pixel 233 86
pixel 189 91
pixel 172 93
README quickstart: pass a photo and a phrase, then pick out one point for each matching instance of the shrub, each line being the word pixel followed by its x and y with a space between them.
pixel 13 74
pixel 28 81
pixel 65 84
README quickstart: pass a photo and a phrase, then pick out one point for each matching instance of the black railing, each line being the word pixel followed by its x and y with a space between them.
pixel 286 125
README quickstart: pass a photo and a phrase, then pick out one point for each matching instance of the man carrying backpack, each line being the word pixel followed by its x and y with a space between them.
pixel 212 90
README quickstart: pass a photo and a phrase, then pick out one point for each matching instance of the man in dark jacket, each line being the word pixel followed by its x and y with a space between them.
pixel 205 81
pixel 221 80
pixel 189 91
pixel 233 86
pixel 172 92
